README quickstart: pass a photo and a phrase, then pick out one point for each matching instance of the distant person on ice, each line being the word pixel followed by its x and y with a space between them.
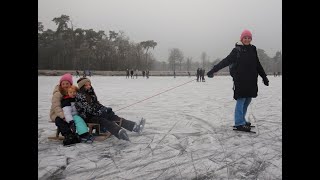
pixel 127 73
pixel 91 110
pixel 202 71
pixel 131 73
pixel 247 68
pixel 198 74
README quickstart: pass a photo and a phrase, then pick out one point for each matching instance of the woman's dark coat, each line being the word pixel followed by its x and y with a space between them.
pixel 247 70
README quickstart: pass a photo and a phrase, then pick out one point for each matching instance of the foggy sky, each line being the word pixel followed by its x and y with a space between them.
pixel 193 26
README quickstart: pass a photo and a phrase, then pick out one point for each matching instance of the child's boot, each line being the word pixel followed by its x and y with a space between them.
pixel 122 134
pixel 139 127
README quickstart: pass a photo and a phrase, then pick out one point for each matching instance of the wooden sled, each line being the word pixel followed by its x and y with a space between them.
pixel 93 127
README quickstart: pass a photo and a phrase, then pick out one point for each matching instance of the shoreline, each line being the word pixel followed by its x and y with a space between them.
pixel 119 73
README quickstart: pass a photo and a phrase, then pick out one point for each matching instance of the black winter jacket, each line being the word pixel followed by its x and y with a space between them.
pixel 247 70
pixel 87 104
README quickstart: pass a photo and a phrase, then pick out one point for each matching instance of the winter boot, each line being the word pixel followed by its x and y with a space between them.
pixel 87 138
pixel 248 124
pixel 139 127
pixel 67 139
pixel 243 128
pixel 122 134
pixel 70 139
pixel 76 138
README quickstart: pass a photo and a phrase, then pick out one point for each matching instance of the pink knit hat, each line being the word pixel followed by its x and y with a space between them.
pixel 245 33
pixel 66 77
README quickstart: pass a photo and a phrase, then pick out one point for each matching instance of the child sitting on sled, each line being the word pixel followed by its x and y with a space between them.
pixel 76 123
pixel 91 110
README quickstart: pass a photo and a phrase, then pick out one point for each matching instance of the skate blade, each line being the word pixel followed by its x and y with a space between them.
pixel 244 131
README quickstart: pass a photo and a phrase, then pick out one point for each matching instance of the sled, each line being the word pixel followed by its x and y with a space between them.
pixel 94 129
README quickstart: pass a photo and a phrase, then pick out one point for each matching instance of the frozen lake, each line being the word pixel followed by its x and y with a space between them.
pixel 188 133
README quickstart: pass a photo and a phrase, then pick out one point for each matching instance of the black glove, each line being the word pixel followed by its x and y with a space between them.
pixel 109 110
pixel 72 126
pixel 210 74
pixel 110 113
pixel 265 81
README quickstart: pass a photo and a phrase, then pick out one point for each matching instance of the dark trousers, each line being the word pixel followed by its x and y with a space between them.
pixel 63 126
pixel 109 121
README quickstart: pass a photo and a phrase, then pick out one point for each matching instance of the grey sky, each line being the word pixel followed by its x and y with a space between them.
pixel 193 26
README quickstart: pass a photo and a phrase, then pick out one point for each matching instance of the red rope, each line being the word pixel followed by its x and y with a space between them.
pixel 154 95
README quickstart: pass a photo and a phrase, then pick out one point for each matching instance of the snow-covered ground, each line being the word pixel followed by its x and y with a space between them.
pixel 188 133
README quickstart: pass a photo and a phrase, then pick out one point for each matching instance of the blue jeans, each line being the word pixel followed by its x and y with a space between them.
pixel 241 110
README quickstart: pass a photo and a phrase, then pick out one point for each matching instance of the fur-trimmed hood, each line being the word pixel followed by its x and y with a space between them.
pixel 240 44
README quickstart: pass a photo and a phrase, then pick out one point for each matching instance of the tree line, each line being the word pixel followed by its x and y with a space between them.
pixel 69 48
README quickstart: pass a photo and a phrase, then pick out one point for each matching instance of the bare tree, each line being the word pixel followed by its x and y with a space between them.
pixel 277 62
pixel 175 56
pixel 265 60
pixel 180 60
pixel 188 63
pixel 146 45
pixel 164 65
pixel 203 58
